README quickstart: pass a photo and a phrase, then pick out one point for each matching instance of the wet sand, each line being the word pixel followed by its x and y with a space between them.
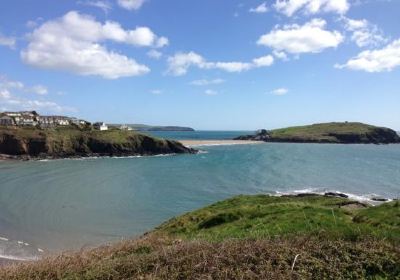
pixel 194 143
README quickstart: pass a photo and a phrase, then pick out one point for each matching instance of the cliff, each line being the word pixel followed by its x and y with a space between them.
pixel 27 143
pixel 339 133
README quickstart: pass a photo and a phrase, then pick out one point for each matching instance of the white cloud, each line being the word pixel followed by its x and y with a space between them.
pixel 210 92
pixel 8 84
pixel 364 33
pixel 179 64
pixel 131 4
pixel 263 61
pixel 101 4
pixel 380 60
pixel 73 43
pixel 290 7
pixel 154 54
pixel 162 42
pixel 11 101
pixel 205 82
pixel 39 89
pixel 280 55
pixel 280 91
pixel 156 92
pixel 5 94
pixel 312 37
pixel 260 9
pixel 7 41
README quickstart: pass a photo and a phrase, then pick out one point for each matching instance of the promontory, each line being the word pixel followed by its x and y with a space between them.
pixel 335 133
pixel 71 142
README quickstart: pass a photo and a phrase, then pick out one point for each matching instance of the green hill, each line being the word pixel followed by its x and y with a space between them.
pixel 247 237
pixel 345 133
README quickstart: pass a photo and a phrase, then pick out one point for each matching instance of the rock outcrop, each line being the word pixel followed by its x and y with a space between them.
pixel 32 143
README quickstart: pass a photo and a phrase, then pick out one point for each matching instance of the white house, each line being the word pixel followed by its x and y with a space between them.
pixel 100 126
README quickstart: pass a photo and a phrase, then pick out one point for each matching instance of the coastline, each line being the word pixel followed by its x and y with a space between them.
pixel 198 143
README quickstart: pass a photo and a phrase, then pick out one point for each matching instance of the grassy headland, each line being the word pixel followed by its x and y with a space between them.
pixel 247 237
pixel 346 133
pixel 63 142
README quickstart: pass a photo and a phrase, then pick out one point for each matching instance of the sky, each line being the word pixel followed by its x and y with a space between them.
pixel 210 64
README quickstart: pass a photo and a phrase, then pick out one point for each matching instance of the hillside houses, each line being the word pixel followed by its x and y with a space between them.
pixel 32 118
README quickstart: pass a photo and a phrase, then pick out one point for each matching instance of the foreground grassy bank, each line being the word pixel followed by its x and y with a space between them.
pixel 247 237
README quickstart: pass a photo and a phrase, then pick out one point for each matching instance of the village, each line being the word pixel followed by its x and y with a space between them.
pixel 33 119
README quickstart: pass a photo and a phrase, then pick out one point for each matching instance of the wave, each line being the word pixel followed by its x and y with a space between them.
pixel 105 157
pixel 18 250
pixel 369 198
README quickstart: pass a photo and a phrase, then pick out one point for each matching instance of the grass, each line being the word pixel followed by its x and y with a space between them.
pixel 246 237
pixel 268 216
pixel 335 133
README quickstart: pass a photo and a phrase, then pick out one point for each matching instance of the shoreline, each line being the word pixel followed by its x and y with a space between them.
pixel 198 143
pixel 358 200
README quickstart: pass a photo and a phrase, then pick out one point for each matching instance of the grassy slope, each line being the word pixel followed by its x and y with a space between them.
pixel 326 131
pixel 268 216
pixel 247 237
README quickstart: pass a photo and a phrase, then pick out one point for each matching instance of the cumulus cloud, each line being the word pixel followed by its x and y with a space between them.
pixel 154 54
pixel 280 91
pixel 364 33
pixel 179 64
pixel 74 43
pixel 7 41
pixel 260 9
pixel 205 82
pixel 131 4
pixel 290 7
pixel 312 37
pixel 379 60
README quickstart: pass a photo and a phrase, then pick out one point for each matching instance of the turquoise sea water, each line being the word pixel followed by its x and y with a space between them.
pixel 69 204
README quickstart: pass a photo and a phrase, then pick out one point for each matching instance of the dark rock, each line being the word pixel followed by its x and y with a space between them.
pixel 379 199
pixel 336 194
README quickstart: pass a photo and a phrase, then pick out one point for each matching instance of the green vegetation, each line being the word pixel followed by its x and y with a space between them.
pixel 247 237
pixel 265 216
pixel 60 142
pixel 347 133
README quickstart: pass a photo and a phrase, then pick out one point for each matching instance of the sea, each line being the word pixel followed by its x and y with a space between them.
pixel 60 205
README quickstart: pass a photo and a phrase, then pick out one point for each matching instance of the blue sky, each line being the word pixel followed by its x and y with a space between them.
pixel 233 65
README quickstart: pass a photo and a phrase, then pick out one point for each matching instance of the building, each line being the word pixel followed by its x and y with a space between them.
pixel 46 121
pixel 125 127
pixel 62 121
pixel 100 126
pixel 6 121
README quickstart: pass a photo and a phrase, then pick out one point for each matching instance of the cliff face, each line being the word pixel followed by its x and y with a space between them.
pixel 340 133
pixel 69 142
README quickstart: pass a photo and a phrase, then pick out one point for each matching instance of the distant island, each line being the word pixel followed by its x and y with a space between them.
pixel 144 127
pixel 336 133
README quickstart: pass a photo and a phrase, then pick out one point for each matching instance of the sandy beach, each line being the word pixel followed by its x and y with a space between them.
pixel 195 143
